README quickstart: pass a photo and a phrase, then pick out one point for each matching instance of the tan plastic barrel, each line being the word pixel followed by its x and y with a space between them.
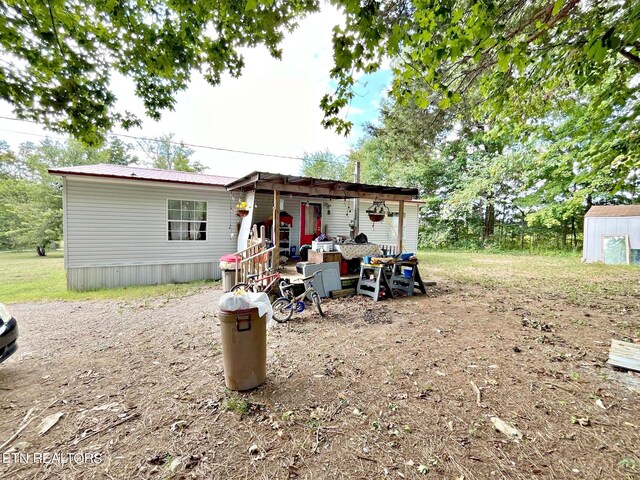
pixel 244 348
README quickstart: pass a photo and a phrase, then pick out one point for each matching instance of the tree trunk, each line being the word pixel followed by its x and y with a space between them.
pixel 523 224
pixel 489 221
pixel 41 252
pixel 574 236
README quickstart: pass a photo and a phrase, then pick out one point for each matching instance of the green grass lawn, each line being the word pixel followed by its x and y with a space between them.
pixel 564 275
pixel 25 277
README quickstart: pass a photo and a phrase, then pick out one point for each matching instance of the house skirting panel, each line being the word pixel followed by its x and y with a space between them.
pixel 92 278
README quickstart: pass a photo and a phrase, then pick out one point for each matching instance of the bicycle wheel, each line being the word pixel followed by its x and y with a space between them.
pixel 244 286
pixel 282 309
pixel 316 300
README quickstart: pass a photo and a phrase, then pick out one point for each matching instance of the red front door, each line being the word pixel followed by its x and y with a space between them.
pixel 310 222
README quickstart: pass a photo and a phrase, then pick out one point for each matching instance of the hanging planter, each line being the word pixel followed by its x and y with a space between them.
pixel 242 209
pixel 377 211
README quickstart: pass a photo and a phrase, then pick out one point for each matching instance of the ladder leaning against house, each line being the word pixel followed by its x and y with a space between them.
pixel 256 259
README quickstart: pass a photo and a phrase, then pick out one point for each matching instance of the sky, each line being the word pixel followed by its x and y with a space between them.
pixel 272 108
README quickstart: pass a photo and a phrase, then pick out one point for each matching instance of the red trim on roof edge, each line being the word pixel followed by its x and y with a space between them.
pixel 63 172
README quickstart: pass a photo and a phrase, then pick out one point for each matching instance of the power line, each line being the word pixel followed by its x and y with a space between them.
pixel 208 147
pixel 31 134
pixel 134 137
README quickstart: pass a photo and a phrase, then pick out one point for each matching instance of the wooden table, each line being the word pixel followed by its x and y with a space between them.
pixel 323 257
pixel 358 250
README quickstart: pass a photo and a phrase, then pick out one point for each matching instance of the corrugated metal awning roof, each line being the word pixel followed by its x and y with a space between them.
pixel 139 173
pixel 317 187
pixel 614 211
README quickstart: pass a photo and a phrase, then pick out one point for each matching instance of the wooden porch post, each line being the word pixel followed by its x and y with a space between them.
pixel 276 229
pixel 400 224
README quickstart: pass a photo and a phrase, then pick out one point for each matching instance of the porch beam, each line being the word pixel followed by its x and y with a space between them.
pixel 320 191
pixel 243 182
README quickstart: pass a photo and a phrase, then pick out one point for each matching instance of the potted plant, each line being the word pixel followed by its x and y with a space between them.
pixel 242 209
pixel 377 211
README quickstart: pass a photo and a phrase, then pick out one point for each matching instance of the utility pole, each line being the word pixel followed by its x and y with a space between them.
pixel 356 203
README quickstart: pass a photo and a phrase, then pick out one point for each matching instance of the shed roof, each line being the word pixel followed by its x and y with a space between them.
pixel 139 173
pixel 317 187
pixel 614 211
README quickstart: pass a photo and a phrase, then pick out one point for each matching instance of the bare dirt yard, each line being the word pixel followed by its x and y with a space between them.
pixel 407 388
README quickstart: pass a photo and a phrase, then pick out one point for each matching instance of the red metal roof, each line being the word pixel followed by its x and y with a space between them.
pixel 614 211
pixel 138 173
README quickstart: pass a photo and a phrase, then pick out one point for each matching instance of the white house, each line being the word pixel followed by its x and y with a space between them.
pixel 612 234
pixel 134 226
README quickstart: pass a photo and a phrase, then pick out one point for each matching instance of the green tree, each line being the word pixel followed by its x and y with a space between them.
pixel 31 207
pixel 537 174
pixel 164 153
pixel 326 165
pixel 30 213
pixel 512 52
pixel 59 56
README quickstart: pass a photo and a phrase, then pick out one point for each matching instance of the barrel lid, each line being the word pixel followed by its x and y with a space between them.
pixel 244 310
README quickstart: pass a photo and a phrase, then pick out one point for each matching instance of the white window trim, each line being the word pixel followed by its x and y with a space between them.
pixel 628 247
pixel 166 223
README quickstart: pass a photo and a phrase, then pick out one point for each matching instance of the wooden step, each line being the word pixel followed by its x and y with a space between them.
pixel 345 292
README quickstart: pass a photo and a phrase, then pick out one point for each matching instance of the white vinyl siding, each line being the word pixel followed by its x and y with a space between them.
pixel 336 215
pixel 292 207
pixel 125 223
pixel 384 232
pixel 91 278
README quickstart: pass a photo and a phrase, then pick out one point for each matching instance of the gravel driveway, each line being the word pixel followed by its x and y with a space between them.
pixel 391 389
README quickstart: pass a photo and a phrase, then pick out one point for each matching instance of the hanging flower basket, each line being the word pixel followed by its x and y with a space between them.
pixel 377 211
pixel 242 209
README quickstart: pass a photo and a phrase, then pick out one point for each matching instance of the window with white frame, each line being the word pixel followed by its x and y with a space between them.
pixel 186 220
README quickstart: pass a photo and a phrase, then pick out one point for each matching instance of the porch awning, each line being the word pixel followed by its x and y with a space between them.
pixel 318 187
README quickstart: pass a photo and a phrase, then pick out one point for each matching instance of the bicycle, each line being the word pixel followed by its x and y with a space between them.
pixel 262 283
pixel 285 306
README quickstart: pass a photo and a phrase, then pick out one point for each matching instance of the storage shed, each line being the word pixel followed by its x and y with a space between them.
pixel 612 234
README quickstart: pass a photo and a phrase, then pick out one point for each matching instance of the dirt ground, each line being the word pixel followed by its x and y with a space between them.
pixel 396 389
